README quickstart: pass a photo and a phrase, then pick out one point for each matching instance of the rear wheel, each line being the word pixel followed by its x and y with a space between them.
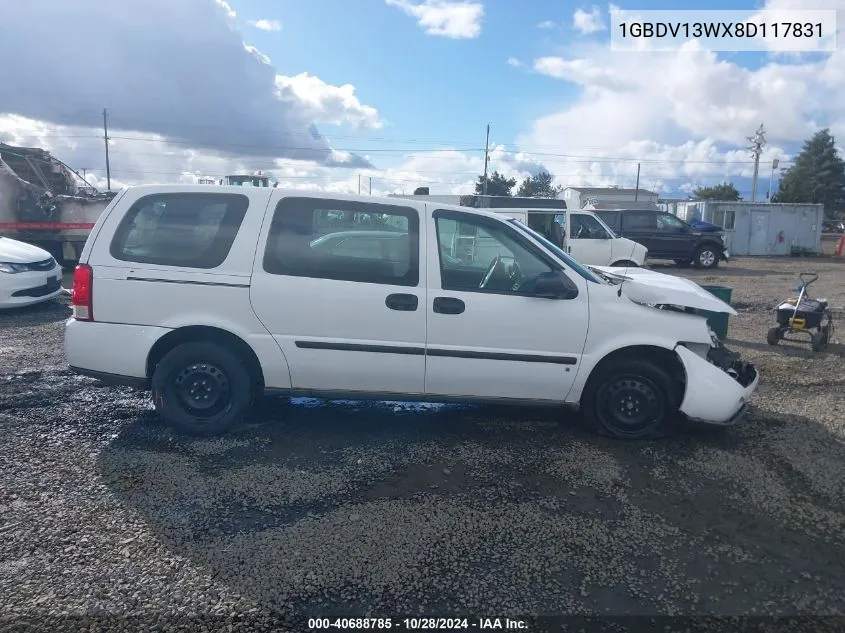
pixel 706 257
pixel 202 389
pixel 630 400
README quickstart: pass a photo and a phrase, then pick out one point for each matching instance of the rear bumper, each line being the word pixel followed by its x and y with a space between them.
pixel 110 351
pixel 713 396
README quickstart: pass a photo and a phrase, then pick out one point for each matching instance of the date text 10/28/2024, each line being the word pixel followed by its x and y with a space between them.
pixel 417 624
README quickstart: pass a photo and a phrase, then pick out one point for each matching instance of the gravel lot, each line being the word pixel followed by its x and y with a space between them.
pixel 319 509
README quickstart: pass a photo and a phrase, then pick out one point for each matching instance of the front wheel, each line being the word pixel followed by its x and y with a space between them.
pixel 774 335
pixel 625 263
pixel 706 257
pixel 630 400
pixel 202 389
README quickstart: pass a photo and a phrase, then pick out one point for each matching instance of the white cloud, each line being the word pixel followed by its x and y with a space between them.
pixel 324 103
pixel 266 25
pixel 684 115
pixel 202 87
pixel 588 21
pixel 456 20
pixel 581 71
pixel 546 24
pixel 514 62
pixel 226 8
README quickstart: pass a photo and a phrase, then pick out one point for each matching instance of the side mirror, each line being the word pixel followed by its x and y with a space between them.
pixel 555 286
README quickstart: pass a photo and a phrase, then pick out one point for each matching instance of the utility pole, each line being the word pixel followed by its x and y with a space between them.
pixel 757 143
pixel 775 163
pixel 637 189
pixel 106 139
pixel 359 184
pixel 486 154
pixel 371 185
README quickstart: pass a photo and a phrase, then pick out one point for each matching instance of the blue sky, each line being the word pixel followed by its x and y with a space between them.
pixel 406 86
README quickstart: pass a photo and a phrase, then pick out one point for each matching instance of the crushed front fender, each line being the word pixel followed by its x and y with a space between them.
pixel 718 387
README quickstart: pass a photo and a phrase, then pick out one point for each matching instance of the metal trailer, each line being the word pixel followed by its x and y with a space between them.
pixel 760 228
pixel 46 203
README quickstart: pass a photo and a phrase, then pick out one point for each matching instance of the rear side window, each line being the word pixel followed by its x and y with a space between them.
pixel 191 230
pixel 640 221
pixel 345 241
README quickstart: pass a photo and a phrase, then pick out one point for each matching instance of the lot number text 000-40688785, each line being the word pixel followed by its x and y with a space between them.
pixel 417 624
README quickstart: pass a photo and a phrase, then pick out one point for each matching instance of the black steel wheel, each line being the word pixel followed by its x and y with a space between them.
pixel 202 388
pixel 630 400
pixel 774 335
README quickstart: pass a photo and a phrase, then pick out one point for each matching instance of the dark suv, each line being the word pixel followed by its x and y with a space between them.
pixel 667 236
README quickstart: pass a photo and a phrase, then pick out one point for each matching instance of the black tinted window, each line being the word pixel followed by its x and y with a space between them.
pixel 192 230
pixel 347 241
pixel 670 224
pixel 640 221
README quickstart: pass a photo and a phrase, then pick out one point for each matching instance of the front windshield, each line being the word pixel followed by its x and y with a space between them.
pixel 586 273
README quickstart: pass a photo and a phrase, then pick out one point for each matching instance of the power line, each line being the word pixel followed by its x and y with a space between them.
pixel 573 158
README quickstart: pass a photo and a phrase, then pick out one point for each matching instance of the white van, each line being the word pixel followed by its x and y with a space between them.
pixel 210 297
pixel 583 235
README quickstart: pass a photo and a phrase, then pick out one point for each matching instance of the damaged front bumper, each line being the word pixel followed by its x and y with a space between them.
pixel 718 386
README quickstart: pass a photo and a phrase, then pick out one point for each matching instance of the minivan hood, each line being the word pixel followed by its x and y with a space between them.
pixel 652 288
pixel 15 252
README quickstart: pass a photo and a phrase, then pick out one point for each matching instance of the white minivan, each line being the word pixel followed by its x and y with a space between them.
pixel 210 298
pixel 583 235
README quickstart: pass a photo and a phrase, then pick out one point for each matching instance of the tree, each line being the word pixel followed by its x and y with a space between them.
pixel 539 186
pixel 724 191
pixel 497 185
pixel 816 176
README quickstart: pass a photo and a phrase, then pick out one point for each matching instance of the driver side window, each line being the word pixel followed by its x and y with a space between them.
pixel 669 224
pixel 586 227
pixel 481 256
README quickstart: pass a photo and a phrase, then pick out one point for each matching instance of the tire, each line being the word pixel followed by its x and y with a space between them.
pixel 625 263
pixel 205 366
pixel 682 263
pixel 610 401
pixel 773 336
pixel 817 341
pixel 706 257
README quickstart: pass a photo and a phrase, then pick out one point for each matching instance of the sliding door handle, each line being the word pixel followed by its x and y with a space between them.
pixel 448 305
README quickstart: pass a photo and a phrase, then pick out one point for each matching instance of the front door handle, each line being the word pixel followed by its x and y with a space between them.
pixel 448 305
pixel 402 302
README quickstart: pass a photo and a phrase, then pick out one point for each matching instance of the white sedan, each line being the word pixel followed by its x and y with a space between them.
pixel 28 274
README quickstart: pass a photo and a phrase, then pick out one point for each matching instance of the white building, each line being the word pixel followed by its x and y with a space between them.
pixel 579 197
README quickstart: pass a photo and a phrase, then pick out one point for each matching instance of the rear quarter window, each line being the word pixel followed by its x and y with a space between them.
pixel 190 230
pixel 640 221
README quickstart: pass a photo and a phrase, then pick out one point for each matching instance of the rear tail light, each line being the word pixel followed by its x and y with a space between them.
pixel 83 293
